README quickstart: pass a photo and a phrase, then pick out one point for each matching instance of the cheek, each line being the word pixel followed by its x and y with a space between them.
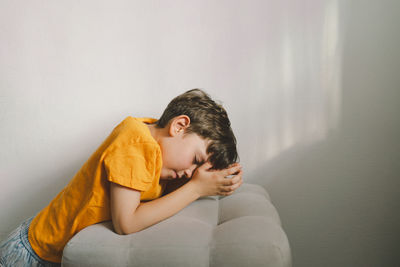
pixel 187 161
pixel 183 159
pixel 177 156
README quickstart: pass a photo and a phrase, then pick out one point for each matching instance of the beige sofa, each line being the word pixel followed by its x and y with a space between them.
pixel 243 229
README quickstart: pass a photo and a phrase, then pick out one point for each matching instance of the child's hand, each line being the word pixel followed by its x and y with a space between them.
pixel 213 182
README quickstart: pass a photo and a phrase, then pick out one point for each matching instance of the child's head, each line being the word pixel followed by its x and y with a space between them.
pixel 208 120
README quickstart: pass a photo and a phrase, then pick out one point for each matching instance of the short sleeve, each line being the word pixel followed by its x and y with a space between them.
pixel 132 166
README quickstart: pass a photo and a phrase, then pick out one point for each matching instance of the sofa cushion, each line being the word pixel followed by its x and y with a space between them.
pixel 242 229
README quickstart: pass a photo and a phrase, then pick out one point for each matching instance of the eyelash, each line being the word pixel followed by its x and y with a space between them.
pixel 195 161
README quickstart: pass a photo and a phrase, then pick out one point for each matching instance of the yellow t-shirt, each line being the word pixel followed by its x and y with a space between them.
pixel 129 156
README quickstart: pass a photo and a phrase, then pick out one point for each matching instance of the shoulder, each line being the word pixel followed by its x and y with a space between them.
pixel 133 137
pixel 136 130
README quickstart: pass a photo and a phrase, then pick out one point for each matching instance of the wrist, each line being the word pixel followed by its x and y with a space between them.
pixel 192 185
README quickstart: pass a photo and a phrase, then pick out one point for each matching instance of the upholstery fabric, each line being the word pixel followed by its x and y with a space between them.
pixel 243 229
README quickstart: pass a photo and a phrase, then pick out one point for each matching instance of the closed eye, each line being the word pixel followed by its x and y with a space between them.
pixel 197 162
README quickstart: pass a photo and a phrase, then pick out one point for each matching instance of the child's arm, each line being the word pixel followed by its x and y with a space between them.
pixel 129 215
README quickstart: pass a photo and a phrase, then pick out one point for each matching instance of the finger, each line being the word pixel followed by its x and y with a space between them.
pixel 232 170
pixel 234 180
pixel 229 188
pixel 207 165
pixel 237 178
pixel 237 185
pixel 234 164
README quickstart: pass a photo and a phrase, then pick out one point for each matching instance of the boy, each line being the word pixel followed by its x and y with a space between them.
pixel 192 141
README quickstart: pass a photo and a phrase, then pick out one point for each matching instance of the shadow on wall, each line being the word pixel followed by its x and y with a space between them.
pixel 302 109
pixel 302 102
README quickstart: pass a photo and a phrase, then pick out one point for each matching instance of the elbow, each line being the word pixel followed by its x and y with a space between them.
pixel 119 232
pixel 122 228
pixel 117 228
pixel 122 232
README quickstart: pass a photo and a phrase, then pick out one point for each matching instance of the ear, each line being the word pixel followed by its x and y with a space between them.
pixel 178 125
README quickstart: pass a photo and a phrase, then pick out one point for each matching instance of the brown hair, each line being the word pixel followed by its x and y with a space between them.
pixel 207 119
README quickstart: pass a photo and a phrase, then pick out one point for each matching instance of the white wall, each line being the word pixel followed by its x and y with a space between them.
pixel 311 88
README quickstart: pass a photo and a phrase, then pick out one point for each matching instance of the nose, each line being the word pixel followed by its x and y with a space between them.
pixel 188 172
